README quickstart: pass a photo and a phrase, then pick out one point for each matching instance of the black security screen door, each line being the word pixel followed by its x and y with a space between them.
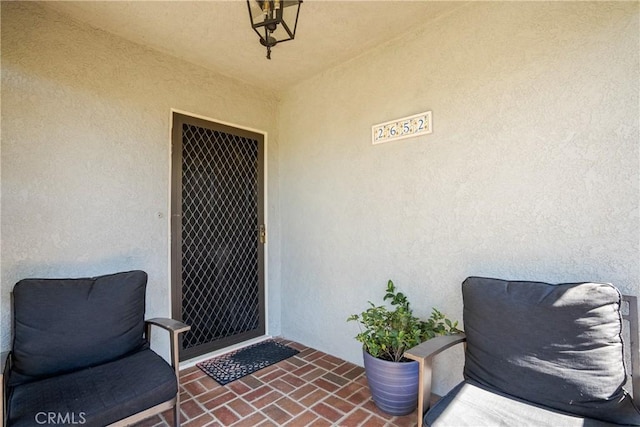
pixel 217 234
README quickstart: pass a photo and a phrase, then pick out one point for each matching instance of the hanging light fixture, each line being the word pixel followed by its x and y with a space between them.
pixel 275 21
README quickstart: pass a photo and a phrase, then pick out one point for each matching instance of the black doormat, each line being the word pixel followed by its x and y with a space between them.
pixel 231 366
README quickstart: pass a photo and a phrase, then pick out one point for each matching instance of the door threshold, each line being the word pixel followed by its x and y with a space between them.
pixel 193 361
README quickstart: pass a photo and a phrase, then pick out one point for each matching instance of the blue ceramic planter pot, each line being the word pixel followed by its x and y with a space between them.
pixel 393 385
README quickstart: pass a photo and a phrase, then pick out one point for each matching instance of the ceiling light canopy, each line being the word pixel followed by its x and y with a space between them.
pixel 275 21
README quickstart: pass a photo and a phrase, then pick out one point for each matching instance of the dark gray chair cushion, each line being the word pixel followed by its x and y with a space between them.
pixel 63 325
pixel 471 405
pixel 95 396
pixel 558 346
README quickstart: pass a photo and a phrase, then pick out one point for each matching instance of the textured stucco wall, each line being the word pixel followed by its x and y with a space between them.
pixel 532 171
pixel 86 151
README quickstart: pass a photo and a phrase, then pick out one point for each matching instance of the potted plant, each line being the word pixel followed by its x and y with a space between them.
pixel 385 335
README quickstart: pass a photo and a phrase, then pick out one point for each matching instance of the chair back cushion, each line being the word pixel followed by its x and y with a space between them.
pixel 61 325
pixel 559 346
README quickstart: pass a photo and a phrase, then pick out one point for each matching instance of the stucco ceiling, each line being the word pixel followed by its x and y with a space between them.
pixel 217 34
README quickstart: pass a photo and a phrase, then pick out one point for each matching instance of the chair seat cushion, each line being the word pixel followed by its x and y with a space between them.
pixel 470 404
pixel 95 396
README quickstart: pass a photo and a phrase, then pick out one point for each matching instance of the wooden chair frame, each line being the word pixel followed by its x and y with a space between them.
pixel 174 327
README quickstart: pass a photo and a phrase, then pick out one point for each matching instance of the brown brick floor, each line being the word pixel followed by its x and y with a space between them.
pixel 311 388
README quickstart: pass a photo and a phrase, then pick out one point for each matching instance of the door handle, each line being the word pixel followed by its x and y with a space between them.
pixel 262 233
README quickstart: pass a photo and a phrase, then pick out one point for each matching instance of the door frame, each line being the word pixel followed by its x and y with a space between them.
pixel 170 218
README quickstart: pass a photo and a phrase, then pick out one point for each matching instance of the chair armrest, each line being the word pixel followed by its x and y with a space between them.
pixel 436 345
pixel 5 365
pixel 170 325
pixel 634 347
pixel 423 353
pixel 175 328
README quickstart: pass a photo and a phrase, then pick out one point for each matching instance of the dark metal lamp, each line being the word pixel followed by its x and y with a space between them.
pixel 275 21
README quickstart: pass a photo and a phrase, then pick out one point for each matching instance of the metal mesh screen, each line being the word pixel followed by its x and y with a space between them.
pixel 220 283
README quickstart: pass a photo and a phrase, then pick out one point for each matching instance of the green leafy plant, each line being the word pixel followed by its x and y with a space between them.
pixel 387 334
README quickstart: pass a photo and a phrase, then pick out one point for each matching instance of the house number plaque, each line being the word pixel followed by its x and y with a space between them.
pixel 406 127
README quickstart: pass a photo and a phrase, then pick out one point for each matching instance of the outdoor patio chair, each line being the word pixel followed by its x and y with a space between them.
pixel 81 354
pixel 537 354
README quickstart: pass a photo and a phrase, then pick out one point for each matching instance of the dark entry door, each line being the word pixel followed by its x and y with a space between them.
pixel 217 234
